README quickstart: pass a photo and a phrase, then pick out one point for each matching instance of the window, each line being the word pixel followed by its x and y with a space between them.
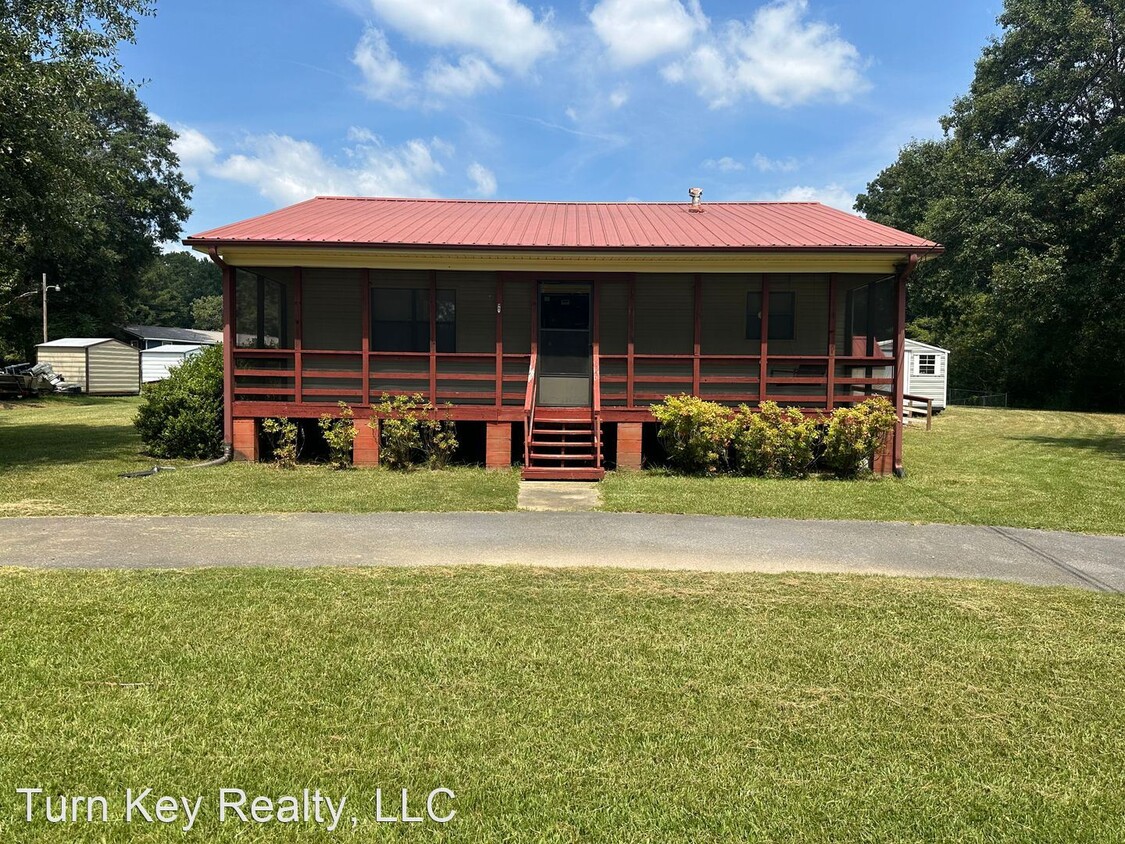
pixel 782 309
pixel 400 320
pixel 927 364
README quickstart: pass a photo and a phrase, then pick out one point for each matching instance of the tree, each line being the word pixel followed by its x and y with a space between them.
pixel 170 286
pixel 207 313
pixel 88 181
pixel 1025 191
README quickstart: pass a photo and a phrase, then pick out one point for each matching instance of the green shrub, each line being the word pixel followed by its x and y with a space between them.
pixel 182 416
pixel 773 441
pixel 855 433
pixel 411 432
pixel 695 433
pixel 339 433
pixel 283 437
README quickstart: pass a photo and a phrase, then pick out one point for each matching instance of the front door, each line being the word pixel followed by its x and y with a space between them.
pixel 565 371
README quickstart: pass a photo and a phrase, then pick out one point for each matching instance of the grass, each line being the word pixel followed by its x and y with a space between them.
pixel 571 706
pixel 62 456
pixel 1020 468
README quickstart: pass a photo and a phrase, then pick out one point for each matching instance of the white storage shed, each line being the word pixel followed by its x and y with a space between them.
pixel 101 366
pixel 926 368
pixel 156 361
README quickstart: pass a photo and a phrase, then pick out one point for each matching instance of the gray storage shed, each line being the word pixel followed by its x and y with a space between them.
pixel 101 366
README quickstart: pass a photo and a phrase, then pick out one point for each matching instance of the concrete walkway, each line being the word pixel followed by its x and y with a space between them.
pixel 560 496
pixel 619 540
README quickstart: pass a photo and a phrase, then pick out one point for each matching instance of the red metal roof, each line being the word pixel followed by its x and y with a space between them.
pixel 449 223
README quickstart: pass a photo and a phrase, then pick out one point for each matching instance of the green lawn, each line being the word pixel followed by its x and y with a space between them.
pixel 1020 468
pixel 63 457
pixel 571 706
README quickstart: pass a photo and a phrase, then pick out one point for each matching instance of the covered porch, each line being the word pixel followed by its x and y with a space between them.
pixel 562 360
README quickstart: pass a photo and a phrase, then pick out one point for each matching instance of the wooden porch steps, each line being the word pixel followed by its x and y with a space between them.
pixel 563 446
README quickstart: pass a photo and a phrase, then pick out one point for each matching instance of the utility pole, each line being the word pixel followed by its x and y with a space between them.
pixel 47 287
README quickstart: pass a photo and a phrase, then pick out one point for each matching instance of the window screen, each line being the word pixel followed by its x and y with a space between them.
pixel 400 320
pixel 782 309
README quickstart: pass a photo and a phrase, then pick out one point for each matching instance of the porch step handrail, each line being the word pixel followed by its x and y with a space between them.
pixel 529 407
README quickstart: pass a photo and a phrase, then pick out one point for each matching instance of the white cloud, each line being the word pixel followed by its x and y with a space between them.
pixel 774 165
pixel 384 76
pixel 726 164
pixel 194 150
pixel 835 195
pixel 618 98
pixel 637 31
pixel 505 31
pixel 483 178
pixel 287 170
pixel 779 56
pixel 469 76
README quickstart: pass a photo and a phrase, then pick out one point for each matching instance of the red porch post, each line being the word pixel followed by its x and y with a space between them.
pixel 228 354
pixel 365 344
pixel 697 323
pixel 499 341
pixel 298 332
pixel 433 337
pixel 900 349
pixel 831 398
pixel 631 319
pixel 763 359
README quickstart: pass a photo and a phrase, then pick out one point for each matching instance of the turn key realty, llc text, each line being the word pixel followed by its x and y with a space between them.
pixel 233 805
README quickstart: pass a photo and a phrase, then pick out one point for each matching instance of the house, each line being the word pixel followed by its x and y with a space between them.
pixel 101 366
pixel 156 361
pixel 555 326
pixel 153 336
pixel 925 371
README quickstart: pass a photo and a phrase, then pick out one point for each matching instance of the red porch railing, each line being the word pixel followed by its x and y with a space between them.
pixel 623 382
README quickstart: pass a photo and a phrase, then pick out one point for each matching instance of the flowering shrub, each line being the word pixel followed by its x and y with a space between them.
pixel 283 437
pixel 775 442
pixel 695 433
pixel 855 433
pixel 411 432
pixel 339 433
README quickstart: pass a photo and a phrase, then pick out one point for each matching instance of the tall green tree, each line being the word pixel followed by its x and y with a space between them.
pixel 170 286
pixel 1025 191
pixel 88 181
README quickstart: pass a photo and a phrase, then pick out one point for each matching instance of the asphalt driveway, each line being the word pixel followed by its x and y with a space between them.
pixel 624 540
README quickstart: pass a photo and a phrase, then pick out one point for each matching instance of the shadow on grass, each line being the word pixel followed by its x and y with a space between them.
pixel 53 443
pixel 1112 445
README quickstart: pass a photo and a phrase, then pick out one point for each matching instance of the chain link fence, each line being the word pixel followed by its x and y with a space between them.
pixel 977 398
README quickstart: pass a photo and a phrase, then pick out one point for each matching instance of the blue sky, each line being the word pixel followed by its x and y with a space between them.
pixel 601 100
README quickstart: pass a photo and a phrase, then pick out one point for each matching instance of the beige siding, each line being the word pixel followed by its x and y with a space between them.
pixel 69 363
pixel 332 317
pixel 115 368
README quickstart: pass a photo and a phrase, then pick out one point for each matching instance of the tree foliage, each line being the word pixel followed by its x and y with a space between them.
pixel 88 181
pixel 170 288
pixel 1025 191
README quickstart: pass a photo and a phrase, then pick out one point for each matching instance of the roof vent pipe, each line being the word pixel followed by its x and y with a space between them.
pixel 696 203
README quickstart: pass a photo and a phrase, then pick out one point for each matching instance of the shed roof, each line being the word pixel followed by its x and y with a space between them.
pixel 173 349
pixel 916 346
pixel 76 342
pixel 186 335
pixel 445 223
